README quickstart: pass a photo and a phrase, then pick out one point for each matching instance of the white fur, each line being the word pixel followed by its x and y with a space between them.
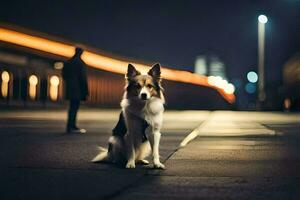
pixel 152 112
pixel 136 111
pixel 131 148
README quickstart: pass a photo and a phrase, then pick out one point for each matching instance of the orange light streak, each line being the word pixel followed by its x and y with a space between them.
pixel 35 42
pixel 102 62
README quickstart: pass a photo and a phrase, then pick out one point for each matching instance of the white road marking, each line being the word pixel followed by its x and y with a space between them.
pixel 225 124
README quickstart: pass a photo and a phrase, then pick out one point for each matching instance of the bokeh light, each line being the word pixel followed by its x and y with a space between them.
pixel 33 81
pixel 262 19
pixel 250 88
pixel 99 61
pixel 221 83
pixel 252 77
pixel 4 85
pixel 229 89
pixel 53 90
pixel 54 80
pixel 5 76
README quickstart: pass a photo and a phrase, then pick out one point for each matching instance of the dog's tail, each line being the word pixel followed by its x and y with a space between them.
pixel 102 155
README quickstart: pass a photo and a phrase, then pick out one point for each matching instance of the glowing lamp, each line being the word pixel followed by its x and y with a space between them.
pixel 252 77
pixel 33 80
pixel 54 80
pixel 262 19
pixel 5 76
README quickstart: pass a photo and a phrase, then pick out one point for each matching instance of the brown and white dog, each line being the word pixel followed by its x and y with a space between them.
pixel 140 121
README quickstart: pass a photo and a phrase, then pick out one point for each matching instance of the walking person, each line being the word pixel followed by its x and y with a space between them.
pixel 75 77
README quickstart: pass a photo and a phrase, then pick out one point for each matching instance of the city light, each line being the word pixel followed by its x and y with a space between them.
pixel 214 80
pixel 222 84
pixel 5 76
pixel 262 19
pixel 33 81
pixel 252 77
pixel 36 43
pixel 4 85
pixel 54 80
pixel 53 90
pixel 102 62
pixel 217 81
pixel 229 89
pixel 211 80
pixel 250 88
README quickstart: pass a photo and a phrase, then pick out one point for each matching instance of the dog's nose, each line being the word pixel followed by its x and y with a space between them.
pixel 143 96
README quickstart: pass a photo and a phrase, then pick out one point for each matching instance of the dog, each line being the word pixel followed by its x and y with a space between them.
pixel 138 129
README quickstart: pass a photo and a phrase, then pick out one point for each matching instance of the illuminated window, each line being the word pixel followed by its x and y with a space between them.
pixel 33 81
pixel 53 90
pixel 4 85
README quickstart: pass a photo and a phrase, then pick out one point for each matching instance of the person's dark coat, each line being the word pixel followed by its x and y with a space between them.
pixel 75 76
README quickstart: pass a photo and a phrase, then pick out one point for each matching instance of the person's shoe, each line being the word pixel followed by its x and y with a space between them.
pixel 76 130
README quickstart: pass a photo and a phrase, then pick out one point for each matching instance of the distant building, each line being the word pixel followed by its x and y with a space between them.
pixel 217 67
pixel 210 66
pixel 201 65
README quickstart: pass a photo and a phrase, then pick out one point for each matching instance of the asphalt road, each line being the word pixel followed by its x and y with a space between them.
pixel 222 155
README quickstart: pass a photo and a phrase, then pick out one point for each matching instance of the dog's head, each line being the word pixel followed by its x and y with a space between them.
pixel 141 86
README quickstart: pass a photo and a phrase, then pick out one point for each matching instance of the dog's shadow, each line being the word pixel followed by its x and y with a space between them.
pixel 122 165
pixel 122 161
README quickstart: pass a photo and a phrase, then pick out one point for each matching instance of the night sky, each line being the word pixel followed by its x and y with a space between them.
pixel 171 32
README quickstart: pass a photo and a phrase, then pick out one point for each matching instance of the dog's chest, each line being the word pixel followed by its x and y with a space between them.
pixel 153 113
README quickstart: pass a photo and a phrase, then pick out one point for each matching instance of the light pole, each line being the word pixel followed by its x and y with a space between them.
pixel 262 20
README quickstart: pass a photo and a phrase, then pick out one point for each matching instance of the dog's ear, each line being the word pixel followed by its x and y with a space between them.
pixel 131 71
pixel 155 71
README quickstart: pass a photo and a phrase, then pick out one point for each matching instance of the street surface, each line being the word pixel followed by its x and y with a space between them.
pixel 208 155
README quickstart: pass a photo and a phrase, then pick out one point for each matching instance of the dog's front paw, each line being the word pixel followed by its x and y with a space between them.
pixel 159 165
pixel 130 165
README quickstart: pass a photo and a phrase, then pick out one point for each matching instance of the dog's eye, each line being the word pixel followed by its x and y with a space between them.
pixel 138 86
pixel 150 86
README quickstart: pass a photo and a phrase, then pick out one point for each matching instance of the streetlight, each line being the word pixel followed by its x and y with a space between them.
pixel 262 20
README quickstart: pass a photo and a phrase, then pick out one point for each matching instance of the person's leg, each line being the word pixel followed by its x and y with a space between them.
pixel 72 114
pixel 69 123
pixel 76 105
